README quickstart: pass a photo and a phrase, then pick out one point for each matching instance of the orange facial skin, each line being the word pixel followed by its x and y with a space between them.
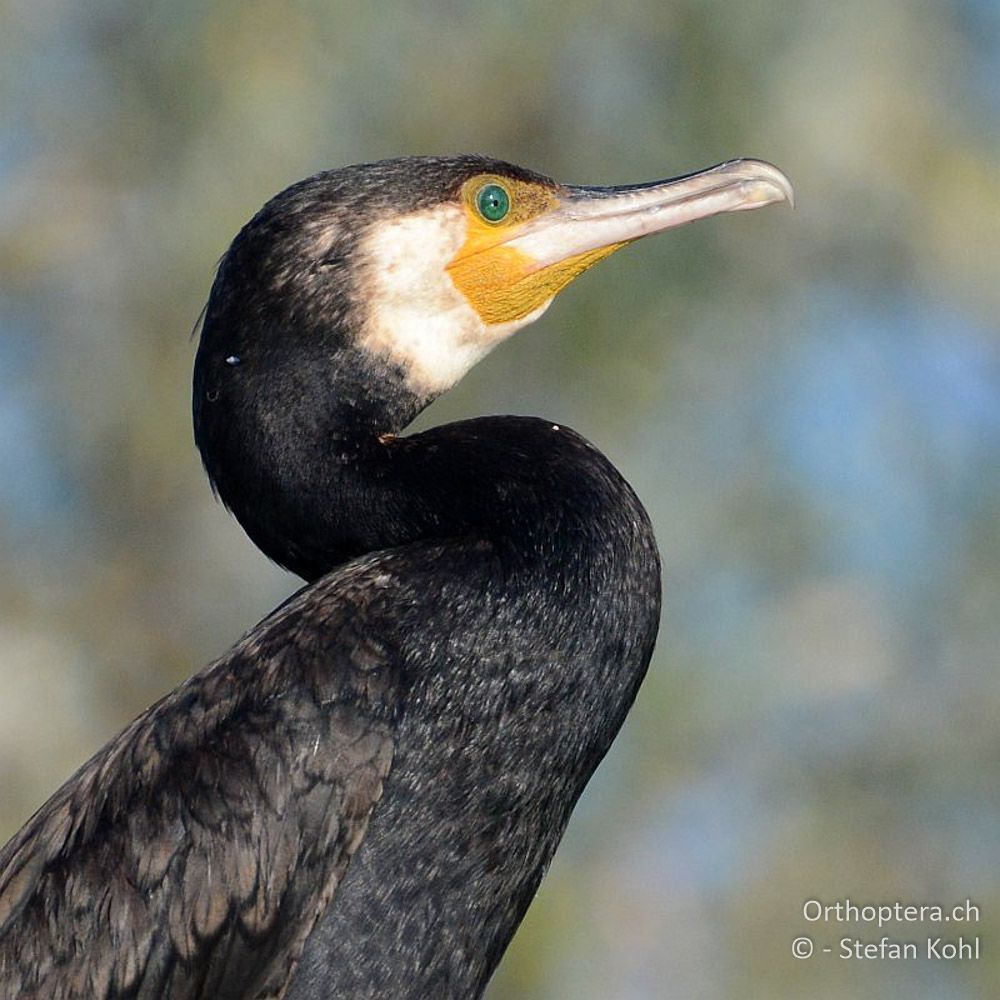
pixel 501 283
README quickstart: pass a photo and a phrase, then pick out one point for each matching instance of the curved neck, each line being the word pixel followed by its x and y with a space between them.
pixel 297 451
pixel 308 462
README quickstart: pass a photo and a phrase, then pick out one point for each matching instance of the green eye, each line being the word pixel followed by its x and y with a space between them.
pixel 493 202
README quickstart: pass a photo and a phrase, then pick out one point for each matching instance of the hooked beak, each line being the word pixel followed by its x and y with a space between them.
pixel 511 274
pixel 589 219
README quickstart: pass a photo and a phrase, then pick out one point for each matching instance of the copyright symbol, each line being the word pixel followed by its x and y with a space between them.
pixel 802 947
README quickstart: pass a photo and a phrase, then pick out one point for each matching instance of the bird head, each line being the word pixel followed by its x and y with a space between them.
pixel 427 263
pixel 449 281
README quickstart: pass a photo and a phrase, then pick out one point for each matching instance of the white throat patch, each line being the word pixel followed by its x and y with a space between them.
pixel 416 317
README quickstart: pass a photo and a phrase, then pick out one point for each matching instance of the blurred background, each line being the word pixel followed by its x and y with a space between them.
pixel 808 403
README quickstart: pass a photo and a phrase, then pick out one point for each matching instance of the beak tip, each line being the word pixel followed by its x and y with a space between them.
pixel 788 193
pixel 770 177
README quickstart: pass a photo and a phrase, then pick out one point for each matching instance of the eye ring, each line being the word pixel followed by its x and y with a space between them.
pixel 493 202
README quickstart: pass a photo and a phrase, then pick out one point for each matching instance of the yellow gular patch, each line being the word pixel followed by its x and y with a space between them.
pixel 501 283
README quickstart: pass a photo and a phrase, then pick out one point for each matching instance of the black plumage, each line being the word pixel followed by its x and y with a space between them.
pixel 361 797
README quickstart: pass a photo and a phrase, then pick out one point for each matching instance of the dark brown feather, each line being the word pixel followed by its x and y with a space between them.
pixel 192 854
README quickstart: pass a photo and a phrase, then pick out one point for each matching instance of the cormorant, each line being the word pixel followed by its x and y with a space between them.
pixel 360 798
